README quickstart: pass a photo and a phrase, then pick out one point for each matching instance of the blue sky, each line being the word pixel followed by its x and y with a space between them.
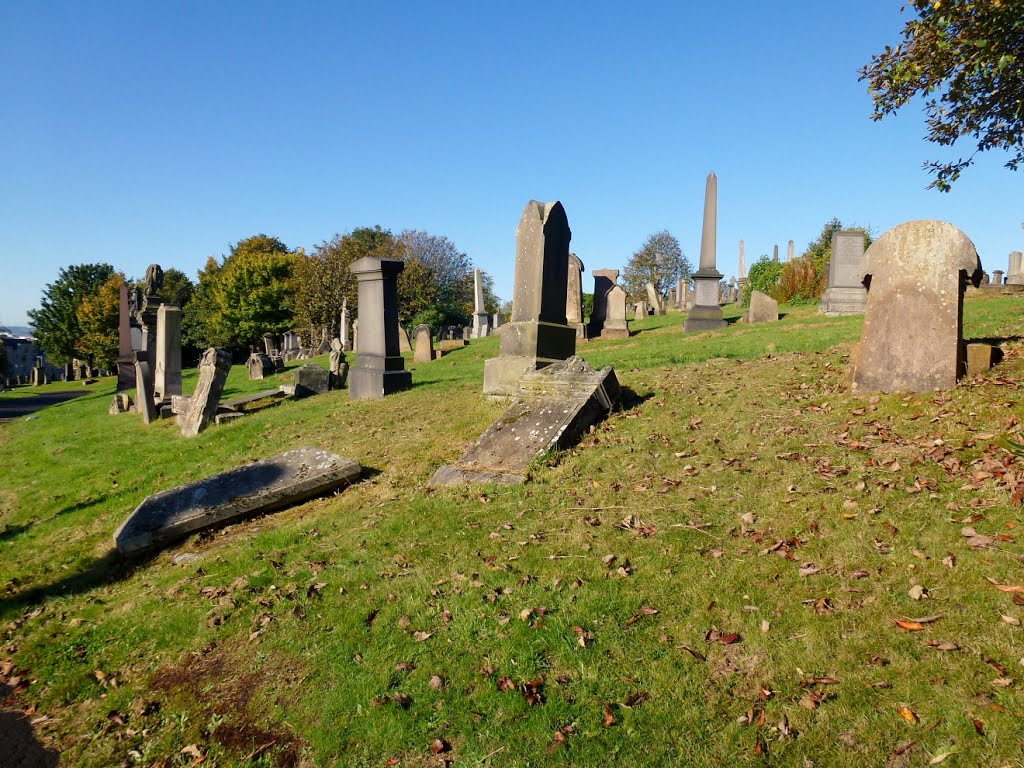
pixel 135 133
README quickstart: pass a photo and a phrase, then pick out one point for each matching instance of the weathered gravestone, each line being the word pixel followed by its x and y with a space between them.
pixel 554 407
pixel 574 297
pixel 673 298
pixel 122 403
pixel 424 344
pixel 641 310
pixel 380 368
pixel 615 326
pixel 1014 275
pixel 845 294
pixel 997 277
pixel 979 358
pixel 261 487
pixel 404 342
pixel 339 368
pixel 916 274
pixel 200 409
pixel 125 350
pixel 481 318
pixel 310 380
pixel 144 392
pixel 259 366
pixel 269 344
pixel 167 379
pixel 537 334
pixel 604 279
pixel 706 313
pixel 763 309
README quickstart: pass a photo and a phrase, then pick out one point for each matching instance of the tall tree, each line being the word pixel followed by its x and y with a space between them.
pixel 437 285
pixel 323 281
pixel 55 322
pixel 98 317
pixel 177 288
pixel 244 296
pixel 659 260
pixel 966 59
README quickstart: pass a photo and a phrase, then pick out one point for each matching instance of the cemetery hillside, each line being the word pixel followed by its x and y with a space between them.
pixel 743 563
pixel 609 445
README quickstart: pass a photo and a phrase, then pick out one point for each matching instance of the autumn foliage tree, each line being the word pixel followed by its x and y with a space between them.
pixel 965 58
pixel 98 316
pixel 243 296
pixel 55 322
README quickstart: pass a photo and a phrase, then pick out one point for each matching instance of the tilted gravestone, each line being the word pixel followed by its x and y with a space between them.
pixel 763 309
pixel 537 334
pixel 574 297
pixel 339 368
pixel 845 294
pixel 263 486
pixel 641 310
pixel 424 340
pixel 916 275
pixel 706 313
pixel 380 368
pixel 615 326
pixel 604 279
pixel 656 302
pixel 202 406
pixel 404 342
pixel 144 392
pixel 553 408
pixel 310 380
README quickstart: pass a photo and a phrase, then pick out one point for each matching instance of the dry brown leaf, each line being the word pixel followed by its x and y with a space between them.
pixel 1013 588
pixel 910 626
pixel 907 714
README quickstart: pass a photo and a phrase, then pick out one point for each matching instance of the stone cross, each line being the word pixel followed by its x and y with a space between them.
pixel 604 279
pixel 537 334
pixel 202 406
pixel 845 294
pixel 574 297
pixel 424 340
pixel 916 275
pixel 706 314
pixel 168 352
pixel 380 369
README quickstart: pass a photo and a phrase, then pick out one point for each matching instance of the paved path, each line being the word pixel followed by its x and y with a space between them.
pixel 18 407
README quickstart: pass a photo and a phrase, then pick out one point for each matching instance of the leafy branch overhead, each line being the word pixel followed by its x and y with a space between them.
pixel 966 59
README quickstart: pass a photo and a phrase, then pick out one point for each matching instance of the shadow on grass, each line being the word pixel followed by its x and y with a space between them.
pixel 111 568
pixel 628 399
pixel 19 747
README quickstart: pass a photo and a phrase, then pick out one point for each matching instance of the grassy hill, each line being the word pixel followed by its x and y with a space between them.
pixel 713 577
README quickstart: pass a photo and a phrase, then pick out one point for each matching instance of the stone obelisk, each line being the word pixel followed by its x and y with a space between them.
pixel 790 251
pixel 706 314
pixel 742 279
pixel 481 320
pixel 775 253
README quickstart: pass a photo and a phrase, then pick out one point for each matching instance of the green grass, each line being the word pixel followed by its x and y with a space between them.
pixel 266 638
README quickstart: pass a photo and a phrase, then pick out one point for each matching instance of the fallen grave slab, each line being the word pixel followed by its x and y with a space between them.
pixel 263 486
pixel 554 407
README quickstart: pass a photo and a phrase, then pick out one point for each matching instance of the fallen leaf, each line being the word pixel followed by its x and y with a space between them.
pixel 1005 587
pixel 421 636
pixel 609 718
pixel 916 592
pixel 1013 621
pixel 940 756
pixel 908 715
pixel 910 626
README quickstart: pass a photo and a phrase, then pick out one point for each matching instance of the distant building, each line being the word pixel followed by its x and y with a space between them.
pixel 22 352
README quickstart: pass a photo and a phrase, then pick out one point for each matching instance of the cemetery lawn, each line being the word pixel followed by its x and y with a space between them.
pixel 743 565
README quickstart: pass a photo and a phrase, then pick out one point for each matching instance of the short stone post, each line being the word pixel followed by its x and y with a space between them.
pixel 168 352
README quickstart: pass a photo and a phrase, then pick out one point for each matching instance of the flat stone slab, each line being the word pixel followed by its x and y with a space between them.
pixel 237 402
pixel 263 486
pixel 553 408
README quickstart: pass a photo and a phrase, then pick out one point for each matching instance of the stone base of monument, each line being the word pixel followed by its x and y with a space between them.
pixel 525 346
pixel 838 302
pixel 608 332
pixel 704 319
pixel 980 358
pixel 264 486
pixel 555 406
pixel 367 382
